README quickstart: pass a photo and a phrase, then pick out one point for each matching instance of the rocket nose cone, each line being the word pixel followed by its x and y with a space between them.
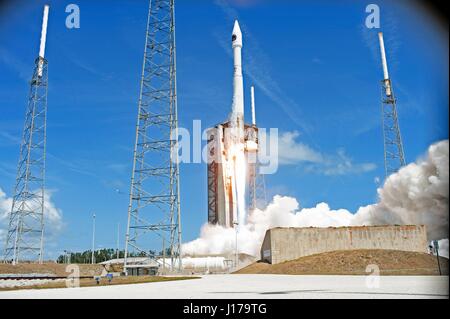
pixel 236 38
pixel 236 27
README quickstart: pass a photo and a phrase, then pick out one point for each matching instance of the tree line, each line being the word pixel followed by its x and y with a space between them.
pixel 102 255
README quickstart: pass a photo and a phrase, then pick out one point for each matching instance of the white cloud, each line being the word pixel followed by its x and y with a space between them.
pixel 341 164
pixel 293 152
pixel 290 151
pixel 52 217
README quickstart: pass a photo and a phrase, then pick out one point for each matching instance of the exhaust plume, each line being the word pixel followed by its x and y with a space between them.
pixel 416 194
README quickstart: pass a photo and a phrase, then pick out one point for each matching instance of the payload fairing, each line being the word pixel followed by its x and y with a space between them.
pixel 232 146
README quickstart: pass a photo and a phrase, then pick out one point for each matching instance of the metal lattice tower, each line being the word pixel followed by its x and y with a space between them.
pixel 394 157
pixel 25 237
pixel 154 207
pixel 257 188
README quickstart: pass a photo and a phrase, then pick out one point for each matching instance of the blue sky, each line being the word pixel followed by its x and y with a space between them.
pixel 316 72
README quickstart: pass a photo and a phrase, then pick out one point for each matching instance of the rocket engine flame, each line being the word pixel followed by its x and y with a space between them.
pixel 417 194
pixel 240 178
pixel 237 171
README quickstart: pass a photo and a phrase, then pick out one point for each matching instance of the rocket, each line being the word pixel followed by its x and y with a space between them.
pixel 237 112
pixel 227 152
pixel 236 146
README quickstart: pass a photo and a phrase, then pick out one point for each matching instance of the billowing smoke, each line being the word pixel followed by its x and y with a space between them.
pixel 416 194
pixel 282 211
pixel 443 248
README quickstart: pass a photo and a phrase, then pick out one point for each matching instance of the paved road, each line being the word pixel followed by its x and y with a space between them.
pixel 258 286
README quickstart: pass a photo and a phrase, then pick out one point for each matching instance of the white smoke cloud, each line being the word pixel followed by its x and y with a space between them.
pixel 52 217
pixel 443 247
pixel 417 194
pixel 282 211
pixel 293 152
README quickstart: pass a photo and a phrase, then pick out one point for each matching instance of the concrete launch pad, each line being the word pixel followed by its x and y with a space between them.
pixel 259 287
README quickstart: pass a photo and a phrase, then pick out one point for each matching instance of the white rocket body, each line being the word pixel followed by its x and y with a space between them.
pixel 252 95
pixel 250 143
pixel 237 112
pixel 43 40
pixel 387 81
pixel 236 144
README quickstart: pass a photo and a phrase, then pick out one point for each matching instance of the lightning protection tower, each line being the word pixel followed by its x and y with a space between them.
pixel 394 157
pixel 25 237
pixel 154 206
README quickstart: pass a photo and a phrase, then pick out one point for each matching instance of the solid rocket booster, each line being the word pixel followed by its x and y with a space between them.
pixel 238 83
pixel 384 63
pixel 43 39
pixel 252 95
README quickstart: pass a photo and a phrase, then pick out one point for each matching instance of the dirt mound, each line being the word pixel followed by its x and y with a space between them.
pixel 354 262
pixel 58 270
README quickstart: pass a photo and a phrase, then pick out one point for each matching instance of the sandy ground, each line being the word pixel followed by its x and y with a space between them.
pixel 355 262
pixel 258 286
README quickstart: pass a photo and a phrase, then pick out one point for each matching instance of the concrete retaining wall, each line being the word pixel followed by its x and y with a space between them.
pixel 282 244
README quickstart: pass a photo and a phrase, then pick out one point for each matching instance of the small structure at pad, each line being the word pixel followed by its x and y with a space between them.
pixel 217 264
pixel 288 243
